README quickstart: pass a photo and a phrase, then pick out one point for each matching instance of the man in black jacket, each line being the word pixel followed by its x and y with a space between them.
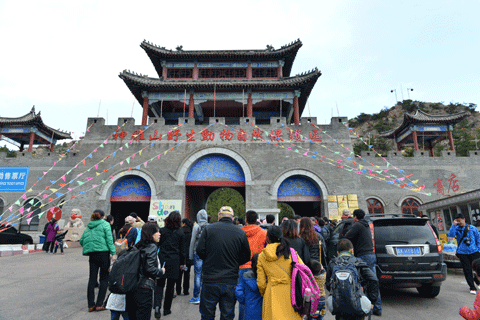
pixel 361 237
pixel 223 247
pixel 367 278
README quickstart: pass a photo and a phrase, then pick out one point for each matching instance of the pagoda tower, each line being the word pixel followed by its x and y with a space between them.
pixel 30 129
pixel 232 84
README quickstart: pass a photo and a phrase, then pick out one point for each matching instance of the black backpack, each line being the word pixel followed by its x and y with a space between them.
pixel 125 274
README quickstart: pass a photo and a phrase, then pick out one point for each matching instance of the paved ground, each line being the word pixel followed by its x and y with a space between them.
pixel 41 286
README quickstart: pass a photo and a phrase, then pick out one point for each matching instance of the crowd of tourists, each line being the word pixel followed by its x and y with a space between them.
pixel 247 261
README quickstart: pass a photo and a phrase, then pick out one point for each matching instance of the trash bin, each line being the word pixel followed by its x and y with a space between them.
pixel 42 239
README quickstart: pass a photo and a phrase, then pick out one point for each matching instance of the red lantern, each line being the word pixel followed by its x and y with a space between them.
pixel 54 212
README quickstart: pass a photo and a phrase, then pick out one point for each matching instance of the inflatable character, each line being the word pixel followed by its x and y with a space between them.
pixel 75 226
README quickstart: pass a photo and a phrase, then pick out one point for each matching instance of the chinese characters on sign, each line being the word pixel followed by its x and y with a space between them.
pixel 452 185
pixel 276 135
pixel 13 178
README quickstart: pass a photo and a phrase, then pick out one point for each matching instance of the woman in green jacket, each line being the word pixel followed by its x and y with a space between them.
pixel 97 243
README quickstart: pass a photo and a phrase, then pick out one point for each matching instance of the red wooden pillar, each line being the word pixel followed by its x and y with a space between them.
pixel 450 139
pixel 191 107
pixel 281 63
pixel 145 111
pixel 51 147
pixel 32 138
pixel 195 72
pixel 415 141
pixel 296 111
pixel 249 71
pixel 249 105
pixel 164 69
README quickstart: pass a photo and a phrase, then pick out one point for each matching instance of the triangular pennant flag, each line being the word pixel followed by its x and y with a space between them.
pixel 24 197
pixel 104 181
pixel 140 152
pixel 128 160
pixel 121 163
pixel 83 161
pixel 80 182
pixel 59 194
pixel 96 166
pixel 29 220
pixel 133 156
pixel 21 210
pixel 17 202
pixel 90 156
pixel 101 146
pixel 145 164
pixel 114 154
pixel 94 186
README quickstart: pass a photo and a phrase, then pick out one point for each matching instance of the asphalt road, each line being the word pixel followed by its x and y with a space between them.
pixel 44 286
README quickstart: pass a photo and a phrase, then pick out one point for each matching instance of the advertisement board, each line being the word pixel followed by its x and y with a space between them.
pixel 162 208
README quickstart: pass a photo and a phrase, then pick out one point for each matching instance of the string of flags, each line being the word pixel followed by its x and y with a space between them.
pixel 379 174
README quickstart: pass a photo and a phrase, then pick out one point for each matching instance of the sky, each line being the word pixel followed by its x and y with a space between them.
pixel 64 57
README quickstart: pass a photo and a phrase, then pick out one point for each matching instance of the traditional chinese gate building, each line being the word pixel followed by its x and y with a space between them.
pixel 231 119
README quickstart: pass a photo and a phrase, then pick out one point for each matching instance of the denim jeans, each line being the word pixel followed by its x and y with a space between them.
pixel 241 307
pixel 221 293
pixel 115 315
pixel 197 283
pixel 371 260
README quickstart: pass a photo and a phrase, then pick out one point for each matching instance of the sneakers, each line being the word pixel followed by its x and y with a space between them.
pixel 473 292
pixel 194 301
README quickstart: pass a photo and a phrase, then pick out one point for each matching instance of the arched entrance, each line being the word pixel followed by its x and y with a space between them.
pixel 130 194
pixel 206 175
pixel 301 194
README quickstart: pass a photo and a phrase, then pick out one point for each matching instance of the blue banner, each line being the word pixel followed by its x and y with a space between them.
pixel 13 178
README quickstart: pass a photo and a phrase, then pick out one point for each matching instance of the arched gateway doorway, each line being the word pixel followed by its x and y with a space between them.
pixel 302 195
pixel 207 174
pixel 130 194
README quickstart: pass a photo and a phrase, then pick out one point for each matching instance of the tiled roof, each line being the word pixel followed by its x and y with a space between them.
pixel 138 83
pixel 287 53
pixel 33 118
pixel 420 117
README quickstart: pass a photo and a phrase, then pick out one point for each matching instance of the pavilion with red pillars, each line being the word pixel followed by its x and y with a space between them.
pixel 233 84
pixel 424 130
pixel 30 130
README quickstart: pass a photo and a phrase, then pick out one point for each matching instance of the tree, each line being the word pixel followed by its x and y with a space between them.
pixel 463 142
pixel 285 211
pixel 225 197
pixel 10 153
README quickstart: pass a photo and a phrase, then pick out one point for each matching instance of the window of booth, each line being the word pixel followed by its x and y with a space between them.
pixel 410 206
pixel 448 218
pixel 464 210
pixel 375 206
pixel 475 213
pixel 34 222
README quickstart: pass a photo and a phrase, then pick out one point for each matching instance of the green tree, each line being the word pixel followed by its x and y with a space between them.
pixel 225 197
pixel 10 153
pixel 285 211
pixel 463 142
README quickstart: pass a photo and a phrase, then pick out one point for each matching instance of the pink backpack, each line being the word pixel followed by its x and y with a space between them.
pixel 305 293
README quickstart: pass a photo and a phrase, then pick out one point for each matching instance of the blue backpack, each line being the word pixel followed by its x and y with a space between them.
pixel 346 294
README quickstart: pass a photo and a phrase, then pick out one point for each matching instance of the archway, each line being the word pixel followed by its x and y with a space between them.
pixel 130 194
pixel 302 195
pixel 206 175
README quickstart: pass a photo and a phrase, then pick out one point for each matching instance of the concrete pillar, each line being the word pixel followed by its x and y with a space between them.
pixel 296 111
pixel 145 111
pixel 450 139
pixel 191 107
pixel 249 105
pixel 32 138
pixel 415 140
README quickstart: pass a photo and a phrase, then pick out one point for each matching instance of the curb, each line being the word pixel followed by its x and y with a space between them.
pixel 7 250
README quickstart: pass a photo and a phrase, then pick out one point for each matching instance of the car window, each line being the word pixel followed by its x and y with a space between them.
pixel 11 230
pixel 402 232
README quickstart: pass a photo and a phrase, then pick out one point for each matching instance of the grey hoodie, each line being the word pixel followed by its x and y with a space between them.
pixel 202 220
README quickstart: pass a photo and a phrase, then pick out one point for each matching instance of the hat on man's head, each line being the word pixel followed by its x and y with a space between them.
pixel 226 210
pixel 152 218
pixel 345 212
pixel 129 220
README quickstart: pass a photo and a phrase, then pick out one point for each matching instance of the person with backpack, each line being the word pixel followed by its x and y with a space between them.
pixel 468 242
pixel 171 253
pixel 247 292
pixel 346 275
pixel 197 230
pixel 187 226
pixel 274 271
pixel 361 237
pixel 129 231
pixel 139 300
pixel 97 243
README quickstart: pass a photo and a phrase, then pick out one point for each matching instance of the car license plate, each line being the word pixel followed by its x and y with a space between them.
pixel 408 251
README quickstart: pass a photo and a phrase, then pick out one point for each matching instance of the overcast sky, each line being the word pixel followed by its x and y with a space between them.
pixel 64 57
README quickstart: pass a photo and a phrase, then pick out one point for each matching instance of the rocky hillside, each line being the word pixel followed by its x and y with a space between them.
pixel 369 125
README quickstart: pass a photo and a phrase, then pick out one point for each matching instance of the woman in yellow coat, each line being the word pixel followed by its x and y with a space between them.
pixel 274 272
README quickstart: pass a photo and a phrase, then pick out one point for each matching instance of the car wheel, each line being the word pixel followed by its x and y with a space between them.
pixel 429 291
